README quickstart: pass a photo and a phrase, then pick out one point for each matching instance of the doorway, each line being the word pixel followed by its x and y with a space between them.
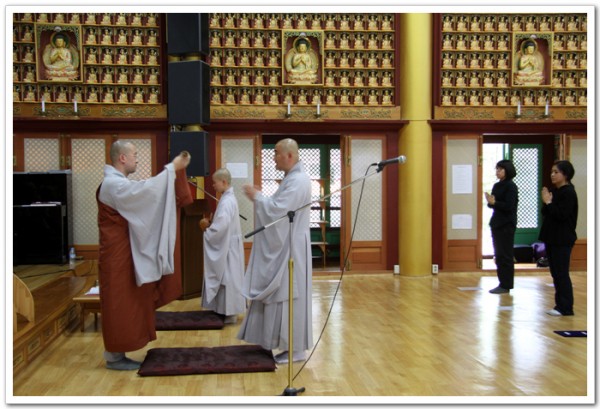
pixel 323 163
pixel 530 156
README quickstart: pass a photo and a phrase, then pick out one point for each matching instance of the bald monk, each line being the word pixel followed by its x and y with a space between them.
pixel 137 221
pixel 266 283
pixel 223 253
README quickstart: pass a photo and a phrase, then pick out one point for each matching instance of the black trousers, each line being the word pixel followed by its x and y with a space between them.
pixel 559 258
pixel 504 251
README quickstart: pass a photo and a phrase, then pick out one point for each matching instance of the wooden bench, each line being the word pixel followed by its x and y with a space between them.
pixel 50 310
pixel 88 303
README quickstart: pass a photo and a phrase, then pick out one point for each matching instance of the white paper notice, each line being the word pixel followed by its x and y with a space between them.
pixel 238 170
pixel 462 222
pixel 462 179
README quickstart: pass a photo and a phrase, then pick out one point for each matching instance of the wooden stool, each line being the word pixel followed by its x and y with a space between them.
pixel 88 303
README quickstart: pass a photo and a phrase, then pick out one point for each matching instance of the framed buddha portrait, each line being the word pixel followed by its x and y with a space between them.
pixel 59 53
pixel 303 57
pixel 531 59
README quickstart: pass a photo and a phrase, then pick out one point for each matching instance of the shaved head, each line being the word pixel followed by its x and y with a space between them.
pixel 123 156
pixel 223 174
pixel 119 147
pixel 288 145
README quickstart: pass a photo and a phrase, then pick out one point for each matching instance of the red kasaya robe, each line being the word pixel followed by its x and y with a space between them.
pixel 128 311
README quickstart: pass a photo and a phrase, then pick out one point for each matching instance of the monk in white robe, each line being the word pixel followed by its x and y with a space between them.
pixel 266 283
pixel 223 254
pixel 138 229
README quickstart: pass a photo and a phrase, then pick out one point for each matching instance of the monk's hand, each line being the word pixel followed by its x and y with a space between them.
pixel 250 191
pixel 182 160
pixel 204 224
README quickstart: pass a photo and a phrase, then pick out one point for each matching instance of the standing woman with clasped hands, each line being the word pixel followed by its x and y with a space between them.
pixel 559 220
pixel 504 200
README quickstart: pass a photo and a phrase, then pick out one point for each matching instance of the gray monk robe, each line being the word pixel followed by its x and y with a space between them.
pixel 266 283
pixel 224 259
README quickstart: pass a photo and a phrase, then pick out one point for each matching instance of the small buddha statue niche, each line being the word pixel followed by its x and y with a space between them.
pixel 501 98
pixel 138 95
pixel 92 94
pixel 245 96
pixel 154 95
pixel 244 20
pixel 108 95
pixel 273 97
pixel 216 96
pixel 152 76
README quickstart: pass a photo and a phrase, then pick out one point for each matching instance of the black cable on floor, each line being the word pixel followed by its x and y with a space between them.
pixel 339 282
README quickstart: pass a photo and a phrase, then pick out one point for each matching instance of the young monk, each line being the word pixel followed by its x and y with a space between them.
pixel 223 254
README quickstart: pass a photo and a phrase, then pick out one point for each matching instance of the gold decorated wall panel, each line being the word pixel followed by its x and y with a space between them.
pixel 90 58
pixel 532 65
pixel 252 59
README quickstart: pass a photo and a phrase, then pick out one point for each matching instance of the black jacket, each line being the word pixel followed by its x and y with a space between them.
pixel 506 195
pixel 559 218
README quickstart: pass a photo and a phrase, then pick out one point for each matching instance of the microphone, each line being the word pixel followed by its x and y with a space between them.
pixel 399 159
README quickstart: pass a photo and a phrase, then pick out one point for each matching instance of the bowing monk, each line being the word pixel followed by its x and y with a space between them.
pixel 266 283
pixel 223 254
pixel 138 264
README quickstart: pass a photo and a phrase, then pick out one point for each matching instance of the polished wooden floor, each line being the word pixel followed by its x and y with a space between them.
pixel 387 336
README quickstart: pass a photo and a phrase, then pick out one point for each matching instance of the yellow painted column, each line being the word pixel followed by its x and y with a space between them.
pixel 415 70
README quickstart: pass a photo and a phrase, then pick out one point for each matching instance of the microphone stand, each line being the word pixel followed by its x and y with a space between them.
pixel 290 390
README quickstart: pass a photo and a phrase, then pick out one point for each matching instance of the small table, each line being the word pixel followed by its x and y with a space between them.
pixel 88 303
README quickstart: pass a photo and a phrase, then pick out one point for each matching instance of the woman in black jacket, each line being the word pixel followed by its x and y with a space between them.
pixel 559 220
pixel 504 200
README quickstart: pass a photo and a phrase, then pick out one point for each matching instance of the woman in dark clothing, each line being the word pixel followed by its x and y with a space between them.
pixel 559 220
pixel 504 199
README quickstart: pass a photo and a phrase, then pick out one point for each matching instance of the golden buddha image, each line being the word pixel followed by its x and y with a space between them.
pixel 301 62
pixel 245 97
pixel 373 99
pixel 138 96
pixel 216 96
pixel 61 58
pixel 92 95
pixel 153 98
pixel 29 94
pixel 274 97
pixel 529 65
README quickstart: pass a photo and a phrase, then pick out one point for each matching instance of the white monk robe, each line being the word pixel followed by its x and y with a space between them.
pixel 266 283
pixel 150 209
pixel 224 259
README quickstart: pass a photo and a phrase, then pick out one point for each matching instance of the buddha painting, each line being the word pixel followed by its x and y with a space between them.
pixel 302 62
pixel 61 58
pixel 529 65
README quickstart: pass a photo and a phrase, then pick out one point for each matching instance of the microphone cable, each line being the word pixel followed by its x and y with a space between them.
pixel 339 282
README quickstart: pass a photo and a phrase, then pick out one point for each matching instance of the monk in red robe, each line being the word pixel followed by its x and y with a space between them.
pixel 139 266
